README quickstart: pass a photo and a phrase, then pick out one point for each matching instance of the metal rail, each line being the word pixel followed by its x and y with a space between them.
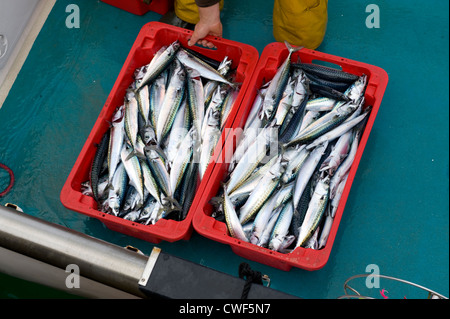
pixel 59 246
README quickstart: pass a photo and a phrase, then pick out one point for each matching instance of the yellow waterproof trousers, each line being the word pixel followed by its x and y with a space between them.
pixel 299 22
pixel 187 10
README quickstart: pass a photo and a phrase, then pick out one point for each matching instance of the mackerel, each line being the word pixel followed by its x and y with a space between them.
pixel 267 232
pixel 306 171
pixel 263 190
pixel 134 170
pixel 285 103
pixel 182 159
pixel 116 139
pixel 231 218
pixel 196 98
pixel 205 70
pixel 156 95
pixel 277 85
pixel 316 210
pixel 177 133
pixel 251 158
pixel 172 101
pixel 323 125
pixel 210 138
pixel 149 181
pixel 159 64
pixel 96 167
pixel 325 231
pixel 142 97
pixel 348 124
pixel 116 192
pixel 157 165
pixel 281 228
pixel 131 120
pixel 344 168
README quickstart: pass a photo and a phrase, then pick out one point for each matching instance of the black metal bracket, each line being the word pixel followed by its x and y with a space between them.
pixel 167 276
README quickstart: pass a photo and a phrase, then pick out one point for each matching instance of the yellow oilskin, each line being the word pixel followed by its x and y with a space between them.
pixel 187 10
pixel 300 22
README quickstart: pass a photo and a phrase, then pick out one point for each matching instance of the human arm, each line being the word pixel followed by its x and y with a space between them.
pixel 209 23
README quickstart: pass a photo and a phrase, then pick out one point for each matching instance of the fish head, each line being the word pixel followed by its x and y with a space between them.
pixel 175 45
pixel 149 135
pixel 118 114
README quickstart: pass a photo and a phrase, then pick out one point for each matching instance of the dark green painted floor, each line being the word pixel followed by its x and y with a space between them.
pixel 397 214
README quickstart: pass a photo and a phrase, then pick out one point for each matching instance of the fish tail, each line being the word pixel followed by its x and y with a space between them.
pixel 291 49
pixel 132 153
pixel 171 204
pixel 109 186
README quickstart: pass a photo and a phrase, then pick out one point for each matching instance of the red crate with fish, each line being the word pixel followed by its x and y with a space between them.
pixel 141 7
pixel 123 175
pixel 284 210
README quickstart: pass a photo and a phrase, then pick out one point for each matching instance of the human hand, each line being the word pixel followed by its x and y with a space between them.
pixel 209 24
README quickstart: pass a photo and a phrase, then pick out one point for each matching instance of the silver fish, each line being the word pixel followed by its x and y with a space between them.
pixel 134 170
pixel 277 85
pixel 325 232
pixel 338 153
pixel 320 104
pixel 157 165
pixel 252 158
pixel 306 170
pixel 143 99
pixel 131 120
pixel 182 159
pixel 336 199
pixel 210 139
pixel 157 93
pixel 232 221
pixel 149 181
pixel 116 140
pixel 177 133
pixel 117 192
pixel 285 104
pixel 263 191
pixel 159 64
pixel 323 125
pixel 300 96
pixel 281 227
pixel 313 242
pixel 345 166
pixel 227 106
pixel 250 183
pixel 348 124
pixel 316 210
pixel 205 70
pixel 172 101
pixel 262 219
pixel 266 234
pixel 215 105
pixel 196 98
pixel 296 157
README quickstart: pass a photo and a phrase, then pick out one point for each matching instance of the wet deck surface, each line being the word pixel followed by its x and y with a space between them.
pixel 396 216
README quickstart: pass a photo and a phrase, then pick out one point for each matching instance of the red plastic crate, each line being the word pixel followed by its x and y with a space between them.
pixel 138 7
pixel 150 39
pixel 273 55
